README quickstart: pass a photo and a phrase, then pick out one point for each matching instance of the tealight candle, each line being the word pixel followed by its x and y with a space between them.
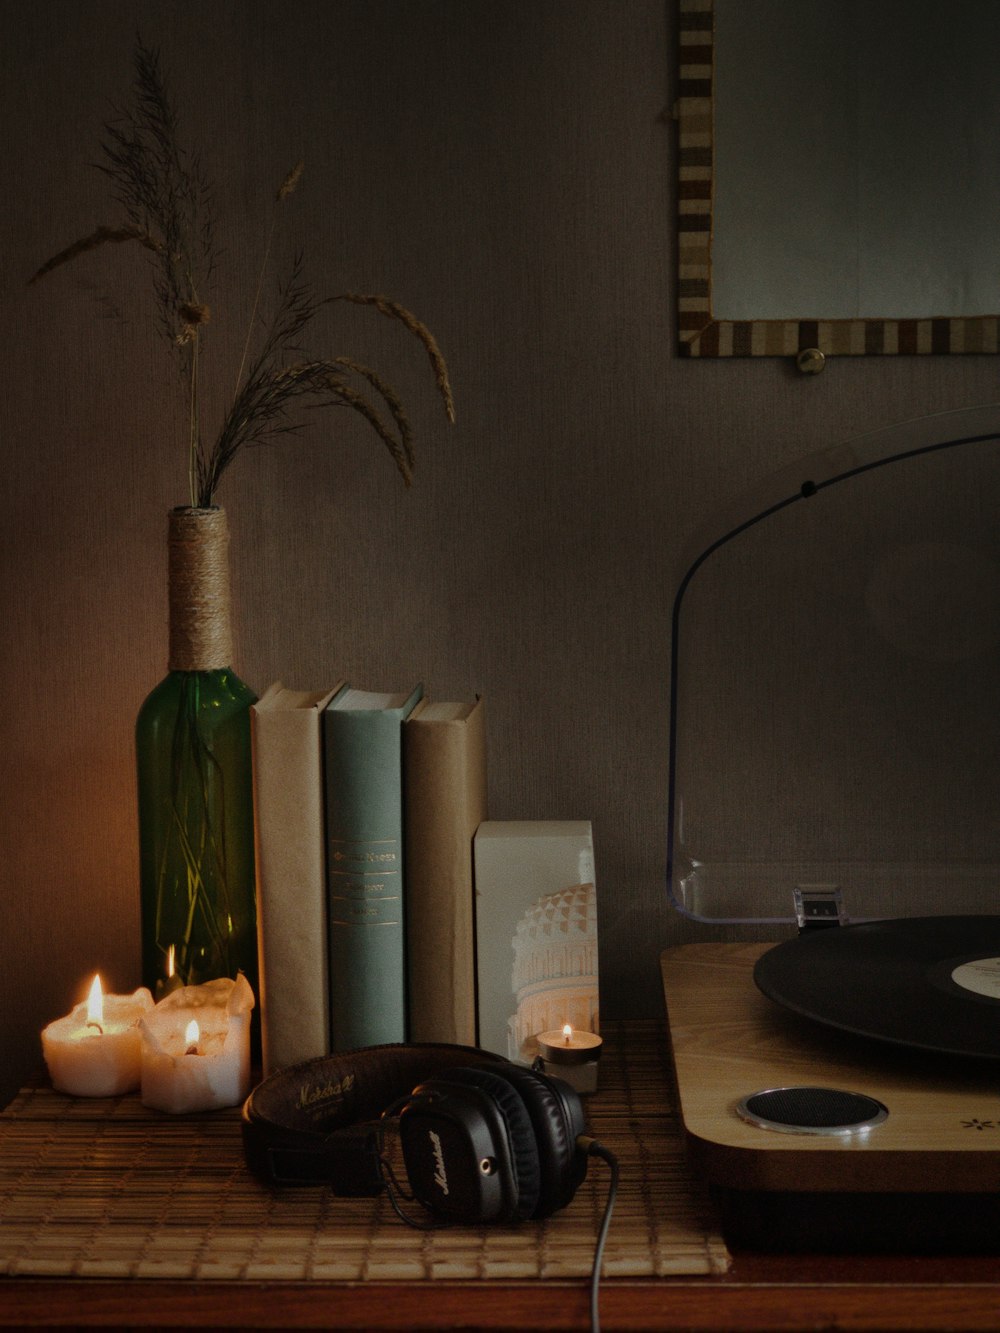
pixel 196 1047
pixel 94 1051
pixel 571 1055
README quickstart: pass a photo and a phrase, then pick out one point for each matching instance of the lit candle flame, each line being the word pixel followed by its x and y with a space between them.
pixel 95 1004
pixel 567 1033
pixel 191 1035
pixel 170 961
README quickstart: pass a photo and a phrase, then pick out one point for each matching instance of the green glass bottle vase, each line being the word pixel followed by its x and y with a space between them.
pixel 196 836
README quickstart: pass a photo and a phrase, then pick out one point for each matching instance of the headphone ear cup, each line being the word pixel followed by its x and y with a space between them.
pixel 521 1139
pixel 557 1119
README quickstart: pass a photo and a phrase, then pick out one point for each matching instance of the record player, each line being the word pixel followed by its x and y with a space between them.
pixel 834 831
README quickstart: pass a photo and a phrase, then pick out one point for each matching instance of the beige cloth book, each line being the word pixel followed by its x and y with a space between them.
pixel 291 882
pixel 444 770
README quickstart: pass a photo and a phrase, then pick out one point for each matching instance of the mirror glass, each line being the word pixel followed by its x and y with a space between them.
pixel 839 176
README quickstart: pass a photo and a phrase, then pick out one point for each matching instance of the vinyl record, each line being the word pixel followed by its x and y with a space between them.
pixel 932 983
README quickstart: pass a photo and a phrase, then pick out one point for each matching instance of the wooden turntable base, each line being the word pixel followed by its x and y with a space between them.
pixel 928 1170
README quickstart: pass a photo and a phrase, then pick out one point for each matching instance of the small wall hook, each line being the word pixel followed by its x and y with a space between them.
pixel 810 361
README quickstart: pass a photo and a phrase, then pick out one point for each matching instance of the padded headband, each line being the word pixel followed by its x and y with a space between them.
pixel 318 1122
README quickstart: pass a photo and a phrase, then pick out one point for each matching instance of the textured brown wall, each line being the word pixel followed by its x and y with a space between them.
pixel 505 170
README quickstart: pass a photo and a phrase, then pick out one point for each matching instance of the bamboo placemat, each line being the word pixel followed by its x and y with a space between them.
pixel 107 1188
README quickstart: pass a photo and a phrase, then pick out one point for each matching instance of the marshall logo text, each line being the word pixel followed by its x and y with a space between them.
pixel 440 1175
pixel 313 1098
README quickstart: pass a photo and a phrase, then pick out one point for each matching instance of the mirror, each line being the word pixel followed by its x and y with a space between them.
pixel 839 177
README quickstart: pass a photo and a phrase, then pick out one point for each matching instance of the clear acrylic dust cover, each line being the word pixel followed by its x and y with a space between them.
pixel 835 685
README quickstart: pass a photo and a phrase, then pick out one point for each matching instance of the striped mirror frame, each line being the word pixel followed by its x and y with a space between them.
pixel 700 333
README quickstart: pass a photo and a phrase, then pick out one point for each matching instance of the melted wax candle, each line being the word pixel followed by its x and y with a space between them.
pixel 196 1047
pixel 95 1050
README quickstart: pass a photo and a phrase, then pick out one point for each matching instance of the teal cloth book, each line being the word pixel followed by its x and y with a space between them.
pixel 362 751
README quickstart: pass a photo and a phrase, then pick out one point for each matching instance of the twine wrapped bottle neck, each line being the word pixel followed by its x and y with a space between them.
pixel 198 563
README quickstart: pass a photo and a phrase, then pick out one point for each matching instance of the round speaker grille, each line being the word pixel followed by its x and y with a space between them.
pixel 812 1111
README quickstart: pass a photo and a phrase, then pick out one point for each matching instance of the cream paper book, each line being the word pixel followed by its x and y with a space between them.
pixel 536 932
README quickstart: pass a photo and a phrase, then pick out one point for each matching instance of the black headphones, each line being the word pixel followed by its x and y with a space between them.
pixel 483 1139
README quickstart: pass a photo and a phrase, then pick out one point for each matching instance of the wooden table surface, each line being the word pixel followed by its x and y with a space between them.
pixel 759 1293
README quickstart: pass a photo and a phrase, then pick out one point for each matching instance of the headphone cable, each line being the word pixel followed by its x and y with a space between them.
pixel 594 1149
pixel 390 1181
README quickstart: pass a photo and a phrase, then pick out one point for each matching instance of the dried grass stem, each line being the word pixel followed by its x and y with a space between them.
pixel 101 236
pixel 394 310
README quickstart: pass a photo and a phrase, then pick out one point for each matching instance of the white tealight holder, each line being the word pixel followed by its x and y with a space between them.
pixel 570 1055
pixel 196 1048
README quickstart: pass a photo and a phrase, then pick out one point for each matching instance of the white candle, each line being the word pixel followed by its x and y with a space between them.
pixel 196 1047
pixel 571 1055
pixel 94 1051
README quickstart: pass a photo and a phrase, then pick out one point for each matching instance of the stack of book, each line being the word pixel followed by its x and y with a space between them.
pixel 389 908
pixel 366 807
